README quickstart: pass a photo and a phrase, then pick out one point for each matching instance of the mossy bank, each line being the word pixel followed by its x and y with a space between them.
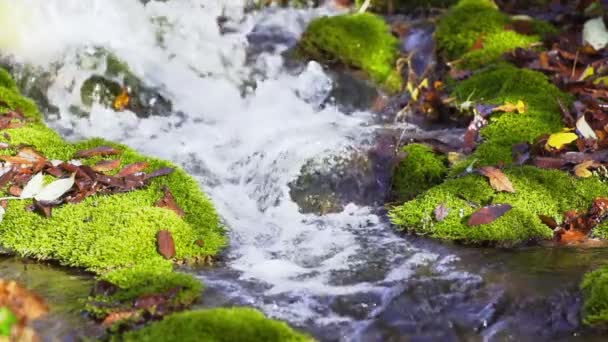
pixel 115 236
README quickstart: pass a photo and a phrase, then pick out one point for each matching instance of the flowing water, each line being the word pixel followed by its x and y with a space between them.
pixel 244 120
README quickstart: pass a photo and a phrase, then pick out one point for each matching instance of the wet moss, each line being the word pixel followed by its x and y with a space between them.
pixel 473 20
pixel 595 292
pixel 218 325
pixel 539 192
pixel 506 83
pixel 421 169
pixel 114 236
pixel 362 41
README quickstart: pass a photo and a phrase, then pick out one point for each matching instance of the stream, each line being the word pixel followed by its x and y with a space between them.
pixel 245 120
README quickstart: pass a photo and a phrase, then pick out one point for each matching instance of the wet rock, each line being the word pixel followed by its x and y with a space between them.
pixel 117 80
pixel 327 184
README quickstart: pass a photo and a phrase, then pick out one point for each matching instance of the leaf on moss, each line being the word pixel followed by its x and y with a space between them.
pixel 488 214
pixel 53 191
pixel 33 187
pixel 559 140
pixel 441 212
pixel 582 170
pixel 106 165
pixel 102 151
pixel 132 169
pixel 498 180
pixel 508 107
pixel 583 128
pixel 168 202
pixel 118 316
pixel 165 244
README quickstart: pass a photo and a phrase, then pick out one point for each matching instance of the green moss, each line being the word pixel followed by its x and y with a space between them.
pixel 218 325
pixel 465 23
pixel 362 41
pixel 539 192
pixel 418 171
pixel 506 83
pixel 403 6
pixel 114 236
pixel 595 292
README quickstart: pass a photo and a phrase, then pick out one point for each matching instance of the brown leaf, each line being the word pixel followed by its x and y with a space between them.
pixel 168 202
pixel 572 236
pixel 160 172
pixel 102 151
pixel 132 169
pixel 479 42
pixel 441 212
pixel 488 214
pixel 582 170
pixel 44 208
pixel 165 244
pixel 149 301
pixel 200 243
pixel 15 190
pixel 106 165
pixel 498 180
pixel 548 221
pixel 118 316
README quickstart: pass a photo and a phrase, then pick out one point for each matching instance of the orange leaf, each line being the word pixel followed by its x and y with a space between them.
pixel 122 100
pixel 498 180
pixel 488 214
pixel 106 165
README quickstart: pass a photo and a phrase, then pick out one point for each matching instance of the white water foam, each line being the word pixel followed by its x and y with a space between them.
pixel 250 142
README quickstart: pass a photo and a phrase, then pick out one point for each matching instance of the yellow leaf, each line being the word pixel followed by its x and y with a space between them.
pixel 122 100
pixel 601 81
pixel 455 157
pixel 582 170
pixel 519 107
pixel 588 72
pixel 559 140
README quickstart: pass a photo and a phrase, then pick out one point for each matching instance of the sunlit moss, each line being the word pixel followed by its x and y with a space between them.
pixel 363 41
pixel 218 325
pixel 539 192
pixel 418 171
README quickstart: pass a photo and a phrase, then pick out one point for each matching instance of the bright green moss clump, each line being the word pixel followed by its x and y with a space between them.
pixel 218 325
pixel 418 171
pixel 471 20
pixel 595 292
pixel 362 41
pixel 539 192
pixel 114 236
pixel 506 83
pixel 403 6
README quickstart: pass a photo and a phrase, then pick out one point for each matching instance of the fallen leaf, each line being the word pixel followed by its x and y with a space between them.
pixel 559 140
pixel 43 208
pixel 168 202
pixel 572 236
pixel 165 244
pixel 53 191
pixel 583 128
pixel 122 100
pixel 103 151
pixel 106 165
pixel 115 317
pixel 33 187
pixel 479 42
pixel 595 33
pixel 149 301
pixel 498 180
pixel 26 305
pixel 488 214
pixel 160 172
pixel 132 169
pixel 548 221
pixel 15 190
pixel 582 170
pixel 519 107
pixel 441 212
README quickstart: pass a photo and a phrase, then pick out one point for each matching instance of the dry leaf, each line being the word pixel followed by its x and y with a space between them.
pixel 559 140
pixel 119 316
pixel 168 202
pixel 488 214
pixel 582 170
pixel 441 212
pixel 132 169
pixel 122 100
pixel 498 180
pixel 106 165
pixel 519 107
pixel 165 244
pixel 97 151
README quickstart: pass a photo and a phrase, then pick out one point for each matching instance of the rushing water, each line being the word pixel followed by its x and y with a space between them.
pixel 245 122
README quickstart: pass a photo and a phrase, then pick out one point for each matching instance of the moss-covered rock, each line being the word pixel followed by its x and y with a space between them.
pixel 538 192
pixel 362 41
pixel 420 170
pixel 403 6
pixel 113 236
pixel 218 325
pixel 595 292
pixel 470 21
pixel 506 83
